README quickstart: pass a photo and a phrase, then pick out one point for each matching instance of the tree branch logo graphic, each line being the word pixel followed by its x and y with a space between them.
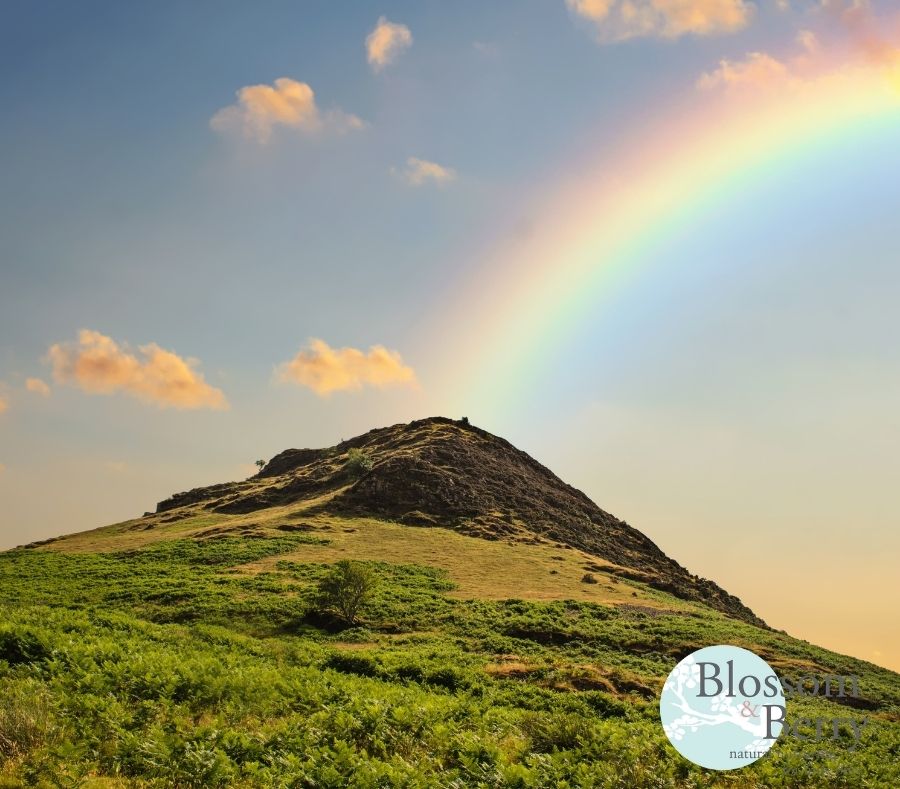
pixel 722 707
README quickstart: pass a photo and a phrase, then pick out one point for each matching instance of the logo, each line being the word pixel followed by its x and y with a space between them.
pixel 722 707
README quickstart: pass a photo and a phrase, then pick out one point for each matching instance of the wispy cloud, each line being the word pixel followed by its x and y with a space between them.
pixel 386 41
pixel 417 172
pixel 486 48
pixel 845 5
pixel 756 69
pixel 812 61
pixel 98 365
pixel 325 369
pixel 619 20
pixel 809 41
pixel 875 38
pixel 37 386
pixel 4 403
pixel 287 102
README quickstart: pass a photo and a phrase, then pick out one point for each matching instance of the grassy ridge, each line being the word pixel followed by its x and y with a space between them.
pixel 172 665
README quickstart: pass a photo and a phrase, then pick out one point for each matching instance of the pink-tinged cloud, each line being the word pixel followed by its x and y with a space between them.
pixel 4 403
pixel 756 70
pixel 619 20
pixel 37 386
pixel 809 41
pixel 325 369
pixel 386 41
pixel 812 61
pixel 875 37
pixel 98 365
pixel 287 102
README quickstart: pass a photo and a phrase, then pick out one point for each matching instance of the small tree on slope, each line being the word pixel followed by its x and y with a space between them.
pixel 346 589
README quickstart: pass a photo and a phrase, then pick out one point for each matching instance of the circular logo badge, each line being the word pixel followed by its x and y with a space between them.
pixel 722 707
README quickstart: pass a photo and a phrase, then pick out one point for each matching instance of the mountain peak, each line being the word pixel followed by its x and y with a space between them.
pixel 448 473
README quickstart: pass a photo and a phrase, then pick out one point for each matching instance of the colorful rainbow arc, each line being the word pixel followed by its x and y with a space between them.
pixel 530 297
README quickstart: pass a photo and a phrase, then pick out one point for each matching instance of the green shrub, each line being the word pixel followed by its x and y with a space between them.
pixel 22 646
pixel 358 462
pixel 408 671
pixel 448 677
pixel 352 663
pixel 346 589
pixel 26 718
pixel 556 732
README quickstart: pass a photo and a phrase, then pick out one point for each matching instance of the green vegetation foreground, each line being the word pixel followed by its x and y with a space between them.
pixel 169 665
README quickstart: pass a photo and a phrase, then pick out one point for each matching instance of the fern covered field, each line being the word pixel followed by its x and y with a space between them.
pixel 171 665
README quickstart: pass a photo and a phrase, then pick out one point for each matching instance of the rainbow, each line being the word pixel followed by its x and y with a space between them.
pixel 598 228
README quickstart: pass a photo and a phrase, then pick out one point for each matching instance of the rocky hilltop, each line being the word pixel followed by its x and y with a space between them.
pixel 442 472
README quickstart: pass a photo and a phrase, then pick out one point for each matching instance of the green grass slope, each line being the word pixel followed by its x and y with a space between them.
pixel 193 655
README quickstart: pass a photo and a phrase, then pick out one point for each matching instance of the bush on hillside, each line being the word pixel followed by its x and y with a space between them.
pixel 358 462
pixel 346 589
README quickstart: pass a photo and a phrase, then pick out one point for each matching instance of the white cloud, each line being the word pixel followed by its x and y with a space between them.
pixel 418 172
pixel 619 20
pixel 287 102
pixel 386 41
pixel 325 369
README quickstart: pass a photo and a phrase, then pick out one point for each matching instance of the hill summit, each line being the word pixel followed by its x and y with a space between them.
pixel 448 473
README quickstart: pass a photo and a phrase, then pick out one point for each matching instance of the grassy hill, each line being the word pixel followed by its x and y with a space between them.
pixel 518 637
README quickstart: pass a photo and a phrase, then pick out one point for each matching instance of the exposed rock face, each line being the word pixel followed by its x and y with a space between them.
pixel 291 459
pixel 195 496
pixel 445 473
